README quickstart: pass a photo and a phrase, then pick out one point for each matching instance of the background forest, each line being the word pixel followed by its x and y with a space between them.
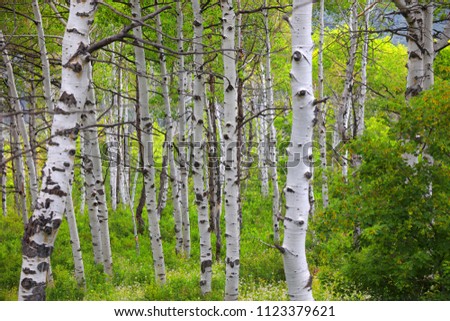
pixel 379 171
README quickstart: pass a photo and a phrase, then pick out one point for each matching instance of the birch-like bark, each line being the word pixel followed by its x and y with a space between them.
pixel 322 112
pixel 413 14
pixel 215 165
pixel 174 174
pixel 102 208
pixel 261 134
pixel 20 121
pixel 345 107
pixel 299 172
pixel 75 241
pixel 19 172
pixel 230 135
pixel 272 143
pixel 360 108
pixel 46 80
pixel 428 46
pixel 89 120
pixel 83 176
pixel 199 151
pixel 146 127
pixel 2 157
pixel 182 89
pixel 41 231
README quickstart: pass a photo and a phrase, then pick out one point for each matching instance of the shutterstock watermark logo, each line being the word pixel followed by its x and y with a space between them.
pixel 250 154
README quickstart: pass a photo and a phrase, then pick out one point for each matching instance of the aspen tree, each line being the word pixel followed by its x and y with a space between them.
pixel 182 90
pixel 146 127
pixel 20 122
pixel 230 135
pixel 41 231
pixel 299 172
pixel 199 151
pixel 174 173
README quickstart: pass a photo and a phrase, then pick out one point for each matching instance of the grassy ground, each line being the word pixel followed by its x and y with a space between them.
pixel 262 275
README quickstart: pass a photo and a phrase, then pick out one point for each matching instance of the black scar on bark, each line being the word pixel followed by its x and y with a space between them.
pixel 232 263
pixel 205 264
pixel 43 266
pixel 309 284
pixel 38 293
pixel 32 249
pixel 28 283
pixel 290 190
pixel 68 99
pixel 28 271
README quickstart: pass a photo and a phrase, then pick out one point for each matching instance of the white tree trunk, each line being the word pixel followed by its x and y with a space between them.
pixel 146 123
pixel 299 172
pixel 232 226
pixel 2 158
pixel 346 105
pixel 102 209
pixel 48 95
pixel 199 152
pixel 89 121
pixel 19 173
pixel 83 176
pixel 321 117
pixel 182 89
pixel 39 237
pixel 174 174
pixel 75 241
pixel 262 143
pixel 272 143
pixel 20 122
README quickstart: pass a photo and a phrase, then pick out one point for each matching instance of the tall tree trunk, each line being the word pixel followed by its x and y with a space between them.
pixel 182 89
pixel 75 241
pixel 146 127
pixel 2 157
pixel 272 143
pixel 102 209
pixel 20 121
pixel 299 172
pixel 19 173
pixel 346 105
pixel 214 166
pixel 199 151
pixel 40 234
pixel 89 134
pixel 232 226
pixel 174 174
pixel 48 95
pixel 322 112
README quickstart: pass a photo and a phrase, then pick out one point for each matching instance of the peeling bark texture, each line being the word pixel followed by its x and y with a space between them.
pixel 75 242
pixel 199 151
pixel 182 90
pixel 41 231
pixel 146 126
pixel 44 57
pixel 174 174
pixel 230 131
pixel 20 121
pixel 299 165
